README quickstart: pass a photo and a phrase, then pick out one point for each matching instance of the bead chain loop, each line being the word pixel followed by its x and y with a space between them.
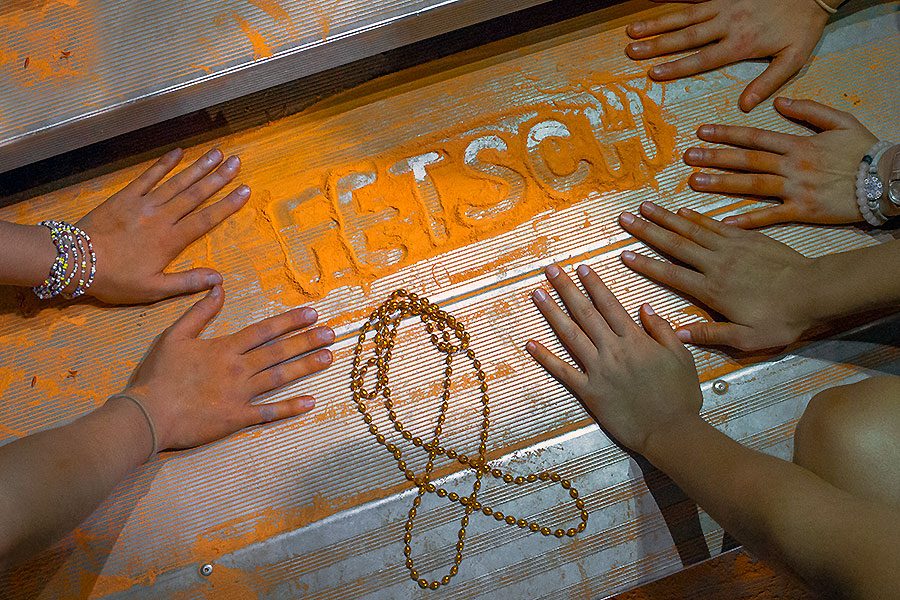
pixel 442 328
pixel 74 255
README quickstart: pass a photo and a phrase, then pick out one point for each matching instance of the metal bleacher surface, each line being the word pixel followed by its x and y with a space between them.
pixel 313 507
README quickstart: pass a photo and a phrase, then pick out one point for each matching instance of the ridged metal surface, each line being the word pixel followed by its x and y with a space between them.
pixel 73 73
pixel 312 508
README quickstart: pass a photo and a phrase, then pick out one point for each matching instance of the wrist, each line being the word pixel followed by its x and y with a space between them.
pixel 658 444
pixel 130 422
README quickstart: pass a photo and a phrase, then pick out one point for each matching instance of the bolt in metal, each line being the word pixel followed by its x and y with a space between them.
pixel 720 387
pixel 206 570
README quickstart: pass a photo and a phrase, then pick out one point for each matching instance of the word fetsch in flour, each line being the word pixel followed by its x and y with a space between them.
pixel 357 222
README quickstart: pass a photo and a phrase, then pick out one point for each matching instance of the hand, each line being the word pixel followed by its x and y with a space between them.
pixel 633 384
pixel 730 31
pixel 143 227
pixel 758 284
pixel 199 390
pixel 814 176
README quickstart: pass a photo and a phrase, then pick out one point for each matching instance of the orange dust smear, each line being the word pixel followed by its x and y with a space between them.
pixel 261 48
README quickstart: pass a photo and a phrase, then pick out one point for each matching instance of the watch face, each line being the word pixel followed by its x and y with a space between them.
pixel 894 192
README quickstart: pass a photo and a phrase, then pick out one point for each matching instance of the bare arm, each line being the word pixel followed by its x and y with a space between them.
pixel 195 390
pixel 641 385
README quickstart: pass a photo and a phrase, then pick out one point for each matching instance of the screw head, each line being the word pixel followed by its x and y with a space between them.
pixel 206 570
pixel 720 387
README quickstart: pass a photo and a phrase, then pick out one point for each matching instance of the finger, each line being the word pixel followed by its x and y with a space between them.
pixel 716 334
pixel 722 229
pixel 198 224
pixel 605 301
pixel 167 285
pixel 747 137
pixel 276 411
pixel 676 41
pixel 660 329
pixel 282 374
pixel 197 317
pixel 198 193
pixel 671 21
pixel 752 161
pixel 749 184
pixel 691 230
pixel 269 355
pixel 684 280
pixel 579 306
pixel 816 114
pixel 763 217
pixel 186 178
pixel 562 371
pixel 669 242
pixel 783 67
pixel 147 180
pixel 711 57
pixel 268 329
pixel 569 333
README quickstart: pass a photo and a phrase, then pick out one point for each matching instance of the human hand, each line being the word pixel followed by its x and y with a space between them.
pixel 138 231
pixel 730 31
pixel 814 176
pixel 758 284
pixel 634 382
pixel 200 390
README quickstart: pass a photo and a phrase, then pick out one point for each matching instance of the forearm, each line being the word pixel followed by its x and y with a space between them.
pixel 52 480
pixel 829 538
pixel 852 282
pixel 27 254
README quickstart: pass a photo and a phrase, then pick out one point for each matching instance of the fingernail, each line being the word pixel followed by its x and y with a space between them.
pixel 326 335
pixel 232 162
pixel 685 211
pixel 638 47
pixel 658 71
pixel 213 279
pixel 785 101
pixel 701 179
pixel 309 314
pixel 243 191
pixel 693 154
pixel 637 27
pixel 307 403
pixel 215 292
pixel 552 271
pixel 174 152
pixel 628 256
pixel 649 207
pixel 684 335
pixel 324 357
pixel 583 270
pixel 627 218
pixel 214 156
pixel 649 309
pixel 752 100
pixel 540 295
pixel 706 130
pixel 531 346
pixel 730 220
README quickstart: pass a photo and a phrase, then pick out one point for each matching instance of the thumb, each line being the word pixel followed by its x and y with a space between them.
pixel 816 114
pixel 659 329
pixel 782 68
pixel 716 334
pixel 186 282
pixel 197 317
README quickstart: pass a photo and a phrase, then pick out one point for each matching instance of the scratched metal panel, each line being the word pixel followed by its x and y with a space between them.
pixel 73 73
pixel 312 508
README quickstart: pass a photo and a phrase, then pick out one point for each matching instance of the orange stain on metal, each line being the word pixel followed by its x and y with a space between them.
pixel 261 48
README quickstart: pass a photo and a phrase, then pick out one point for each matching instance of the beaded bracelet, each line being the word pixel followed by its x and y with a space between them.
pixel 74 256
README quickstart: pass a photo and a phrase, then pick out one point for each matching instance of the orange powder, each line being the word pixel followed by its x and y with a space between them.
pixel 261 48
pixel 462 185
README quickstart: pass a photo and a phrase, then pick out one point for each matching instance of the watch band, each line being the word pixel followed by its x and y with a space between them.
pixel 894 181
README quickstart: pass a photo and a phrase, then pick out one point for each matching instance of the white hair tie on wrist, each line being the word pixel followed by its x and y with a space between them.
pixel 830 10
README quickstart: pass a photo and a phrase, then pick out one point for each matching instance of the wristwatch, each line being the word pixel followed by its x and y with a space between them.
pixel 893 187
